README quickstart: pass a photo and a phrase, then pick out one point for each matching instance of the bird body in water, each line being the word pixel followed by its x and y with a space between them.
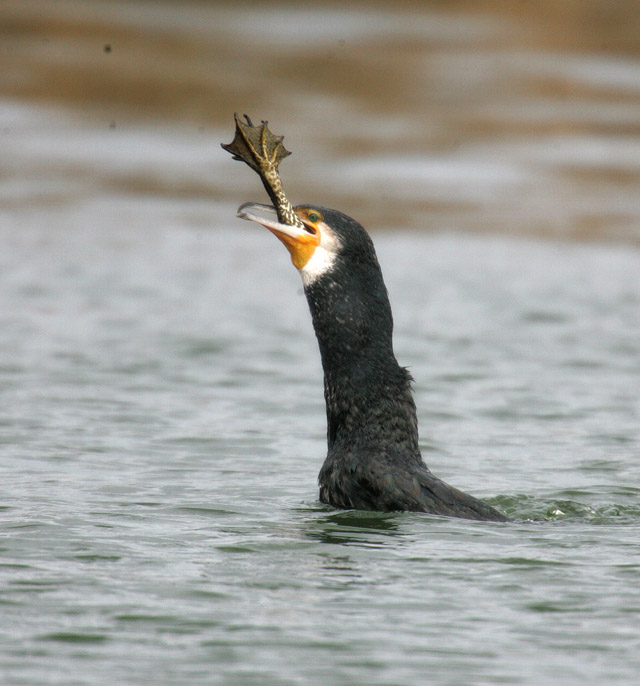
pixel 373 460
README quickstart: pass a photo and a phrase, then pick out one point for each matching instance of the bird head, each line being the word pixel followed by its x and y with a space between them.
pixel 316 245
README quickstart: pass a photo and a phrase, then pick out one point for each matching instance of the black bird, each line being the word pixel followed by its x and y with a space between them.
pixel 373 460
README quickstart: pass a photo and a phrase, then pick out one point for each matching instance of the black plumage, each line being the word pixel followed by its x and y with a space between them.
pixel 373 460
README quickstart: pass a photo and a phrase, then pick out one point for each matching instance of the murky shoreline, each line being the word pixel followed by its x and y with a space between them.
pixel 476 119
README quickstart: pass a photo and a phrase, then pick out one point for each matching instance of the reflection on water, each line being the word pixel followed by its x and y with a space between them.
pixel 369 529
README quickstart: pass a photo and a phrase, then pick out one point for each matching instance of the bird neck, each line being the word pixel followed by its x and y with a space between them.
pixel 367 394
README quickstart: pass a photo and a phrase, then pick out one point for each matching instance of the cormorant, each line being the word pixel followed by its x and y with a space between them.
pixel 373 460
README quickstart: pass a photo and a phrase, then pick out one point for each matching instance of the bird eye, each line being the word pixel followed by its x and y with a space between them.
pixel 314 217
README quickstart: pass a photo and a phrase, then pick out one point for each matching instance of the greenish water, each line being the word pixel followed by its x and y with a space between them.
pixel 161 412
pixel 163 425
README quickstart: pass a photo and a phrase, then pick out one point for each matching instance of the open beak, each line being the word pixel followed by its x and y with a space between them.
pixel 300 242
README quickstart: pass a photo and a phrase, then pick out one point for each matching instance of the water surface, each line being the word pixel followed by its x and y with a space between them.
pixel 162 418
pixel 163 426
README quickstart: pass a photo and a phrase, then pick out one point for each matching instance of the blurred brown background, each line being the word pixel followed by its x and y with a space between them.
pixel 520 117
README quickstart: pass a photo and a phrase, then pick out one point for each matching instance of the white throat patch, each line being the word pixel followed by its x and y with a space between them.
pixel 323 258
pixel 320 263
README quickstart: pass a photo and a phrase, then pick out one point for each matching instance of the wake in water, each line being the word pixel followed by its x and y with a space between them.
pixel 597 506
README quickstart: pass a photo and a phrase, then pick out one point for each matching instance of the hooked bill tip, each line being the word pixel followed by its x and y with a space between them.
pixel 242 214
